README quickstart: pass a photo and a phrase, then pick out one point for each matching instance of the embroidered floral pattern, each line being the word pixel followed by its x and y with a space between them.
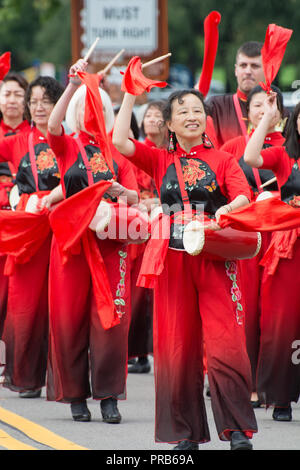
pixel 98 164
pixel 5 179
pixel 121 288
pixel 192 173
pixel 231 271
pixel 295 202
pixel 45 160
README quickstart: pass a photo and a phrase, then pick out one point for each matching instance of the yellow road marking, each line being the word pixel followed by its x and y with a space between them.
pixel 10 443
pixel 37 433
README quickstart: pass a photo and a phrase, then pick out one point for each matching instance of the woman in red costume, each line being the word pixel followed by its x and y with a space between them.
pixel 140 331
pixel 13 119
pixel 251 271
pixel 192 294
pixel 80 345
pixel 278 370
pixel 26 326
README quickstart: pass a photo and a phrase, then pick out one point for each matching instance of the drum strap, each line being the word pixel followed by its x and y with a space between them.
pixel 239 114
pixel 185 199
pixel 33 160
pixel 85 161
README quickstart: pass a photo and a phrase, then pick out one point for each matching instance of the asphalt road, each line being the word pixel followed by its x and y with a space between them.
pixel 135 432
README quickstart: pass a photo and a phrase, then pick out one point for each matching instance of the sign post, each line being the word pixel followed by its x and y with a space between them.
pixel 140 27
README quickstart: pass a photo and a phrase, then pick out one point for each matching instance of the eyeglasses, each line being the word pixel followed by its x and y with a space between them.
pixel 44 103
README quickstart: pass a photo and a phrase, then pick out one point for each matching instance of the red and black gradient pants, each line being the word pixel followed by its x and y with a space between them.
pixel 3 293
pixel 193 301
pixel 278 372
pixel 26 325
pixel 140 342
pixel 83 357
pixel 251 274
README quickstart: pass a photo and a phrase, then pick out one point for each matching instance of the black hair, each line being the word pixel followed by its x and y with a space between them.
pixel 292 144
pixel 159 104
pixel 179 95
pixel 22 82
pixel 134 126
pixel 133 123
pixel 250 49
pixel 53 89
pixel 259 89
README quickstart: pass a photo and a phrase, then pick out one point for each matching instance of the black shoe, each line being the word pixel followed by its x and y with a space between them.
pixel 131 361
pixel 186 445
pixel 255 403
pixel 282 414
pixel 80 412
pixel 30 393
pixel 109 410
pixel 142 366
pixel 239 441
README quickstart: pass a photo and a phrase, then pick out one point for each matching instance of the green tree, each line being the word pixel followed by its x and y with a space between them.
pixel 35 30
pixel 241 21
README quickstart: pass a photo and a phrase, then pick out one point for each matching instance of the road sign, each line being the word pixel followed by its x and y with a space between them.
pixel 138 26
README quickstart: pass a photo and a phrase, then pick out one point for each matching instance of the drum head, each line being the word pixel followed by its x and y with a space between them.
pixel 102 217
pixel 155 212
pixel 32 204
pixel 264 195
pixel 14 197
pixel 193 237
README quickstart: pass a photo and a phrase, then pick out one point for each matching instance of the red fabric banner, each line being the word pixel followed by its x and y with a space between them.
pixel 134 82
pixel 273 51
pixel 4 64
pixel 93 116
pixel 262 216
pixel 211 40
pixel 69 222
pixel 21 235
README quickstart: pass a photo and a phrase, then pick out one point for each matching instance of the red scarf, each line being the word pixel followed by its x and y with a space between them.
pixel 93 115
pixel 22 233
pixel 4 64
pixel 273 51
pixel 211 39
pixel 69 222
pixel 134 82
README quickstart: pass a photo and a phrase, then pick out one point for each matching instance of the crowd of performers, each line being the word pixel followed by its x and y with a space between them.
pixel 77 306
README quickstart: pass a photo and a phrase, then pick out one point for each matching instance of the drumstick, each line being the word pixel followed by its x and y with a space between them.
pixel 89 52
pixel 158 59
pixel 111 63
pixel 272 180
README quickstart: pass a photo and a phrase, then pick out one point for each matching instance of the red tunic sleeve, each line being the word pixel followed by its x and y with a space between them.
pixel 277 160
pixel 13 148
pixel 126 174
pixel 235 146
pixel 234 181
pixel 148 159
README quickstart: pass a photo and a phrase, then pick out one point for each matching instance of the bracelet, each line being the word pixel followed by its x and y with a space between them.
pixel 74 82
pixel 228 205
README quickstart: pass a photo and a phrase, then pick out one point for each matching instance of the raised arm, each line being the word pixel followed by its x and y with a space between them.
pixel 120 136
pixel 58 113
pixel 252 152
